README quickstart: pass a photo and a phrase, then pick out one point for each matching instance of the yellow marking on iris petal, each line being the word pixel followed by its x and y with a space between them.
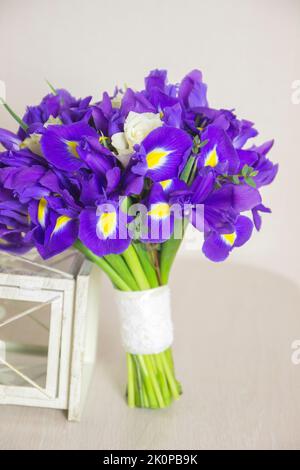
pixel 212 158
pixel 156 157
pixel 42 211
pixel 229 238
pixel 166 184
pixel 159 210
pixel 3 242
pixel 107 223
pixel 72 147
pixel 61 222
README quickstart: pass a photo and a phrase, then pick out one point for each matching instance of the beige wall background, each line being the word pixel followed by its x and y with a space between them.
pixel 248 50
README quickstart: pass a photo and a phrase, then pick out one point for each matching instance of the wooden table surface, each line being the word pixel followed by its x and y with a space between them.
pixel 234 328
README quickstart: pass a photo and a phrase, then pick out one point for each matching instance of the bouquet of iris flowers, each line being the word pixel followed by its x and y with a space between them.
pixel 120 180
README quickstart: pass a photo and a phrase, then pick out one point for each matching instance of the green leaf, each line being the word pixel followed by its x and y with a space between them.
pixel 192 173
pixel 236 179
pixel 147 265
pixel 135 267
pixel 185 175
pixel 245 171
pixel 197 140
pixel 104 140
pixel 14 115
pixel 51 87
pixel 104 265
pixel 203 143
pixel 125 204
pixel 169 250
pixel 119 265
pixel 250 182
pixel 254 173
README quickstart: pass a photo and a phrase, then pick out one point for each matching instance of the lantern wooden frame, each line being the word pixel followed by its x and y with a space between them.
pixel 74 310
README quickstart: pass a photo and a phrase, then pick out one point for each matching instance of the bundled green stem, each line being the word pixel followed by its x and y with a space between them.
pixel 151 377
pixel 151 380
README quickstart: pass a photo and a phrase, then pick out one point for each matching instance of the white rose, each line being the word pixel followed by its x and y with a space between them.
pixel 116 101
pixel 136 127
pixel 53 121
pixel 33 143
pixel 120 143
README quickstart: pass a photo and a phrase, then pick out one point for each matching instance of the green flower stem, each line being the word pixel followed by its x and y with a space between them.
pixel 120 267
pixel 169 250
pixel 135 267
pixel 153 380
pixel 162 379
pixel 115 278
pixel 146 401
pixel 147 381
pixel 139 382
pixel 170 378
pixel 146 263
pixel 14 115
pixel 51 87
pixel 169 357
pixel 130 391
pixel 186 173
pixel 137 402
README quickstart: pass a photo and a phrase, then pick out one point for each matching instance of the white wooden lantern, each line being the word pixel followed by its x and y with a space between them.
pixel 48 310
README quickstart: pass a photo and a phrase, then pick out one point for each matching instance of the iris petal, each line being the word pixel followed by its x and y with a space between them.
pixel 107 224
pixel 59 235
pixel 159 211
pixel 212 158
pixel 42 212
pixel 166 150
pixel 156 158
pixel 219 152
pixel 101 232
pixel 59 145
pixel 229 238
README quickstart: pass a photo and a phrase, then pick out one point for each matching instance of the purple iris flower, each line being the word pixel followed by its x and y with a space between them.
pixel 157 222
pixel 14 223
pixel 162 154
pixel 219 152
pixel 217 246
pixel 137 102
pixel 53 232
pixel 192 90
pixel 265 168
pixel 60 145
pixel 97 157
pixel 66 181
pixel 62 105
pixel 103 114
pixel 9 140
pixel 103 229
pixel 164 97
pixel 221 221
pixel 256 215
pixel 156 80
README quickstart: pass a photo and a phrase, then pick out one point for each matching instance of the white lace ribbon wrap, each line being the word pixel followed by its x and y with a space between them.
pixel 146 323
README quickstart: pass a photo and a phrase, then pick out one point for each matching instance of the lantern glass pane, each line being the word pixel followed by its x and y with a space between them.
pixel 65 265
pixel 24 338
